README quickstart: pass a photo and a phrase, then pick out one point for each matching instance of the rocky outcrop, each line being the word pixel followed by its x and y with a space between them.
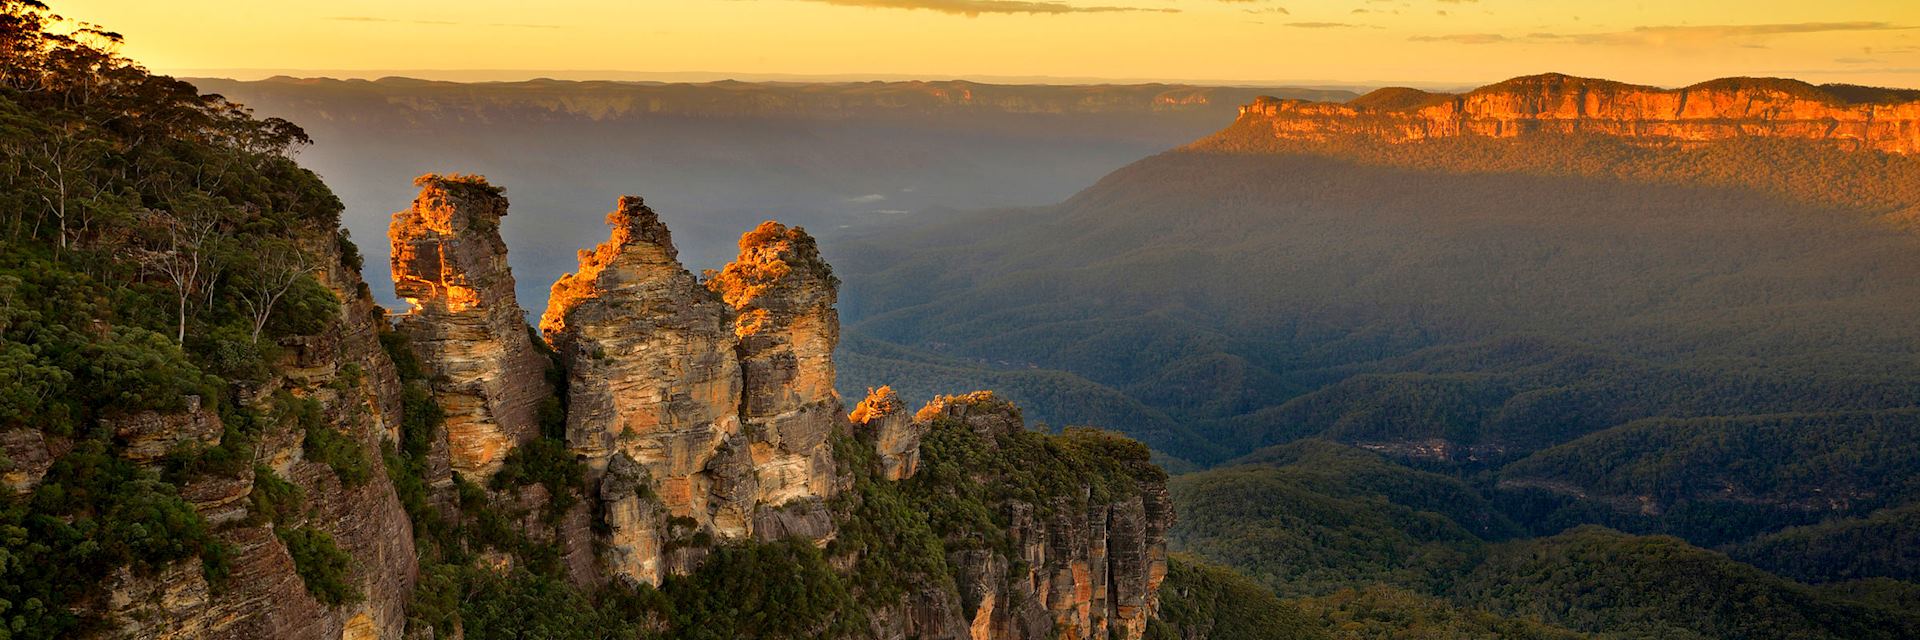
pixel 728 432
pixel 896 435
pixel 148 436
pixel 466 326
pixel 28 453
pixel 1086 562
pixel 706 414
pixel 1848 116
pixel 651 370
pixel 782 296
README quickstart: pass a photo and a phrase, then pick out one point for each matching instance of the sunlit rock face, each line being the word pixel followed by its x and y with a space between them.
pixel 896 435
pixel 709 402
pixel 466 326
pixel 651 369
pixel 1851 117
pixel 782 296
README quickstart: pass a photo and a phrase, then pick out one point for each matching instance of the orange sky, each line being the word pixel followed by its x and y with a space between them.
pixel 1433 42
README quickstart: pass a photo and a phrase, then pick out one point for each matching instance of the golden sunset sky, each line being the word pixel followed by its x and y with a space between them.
pixel 1427 42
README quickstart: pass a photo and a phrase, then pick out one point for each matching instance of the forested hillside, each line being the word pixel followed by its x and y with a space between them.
pixel 1705 340
pixel 162 259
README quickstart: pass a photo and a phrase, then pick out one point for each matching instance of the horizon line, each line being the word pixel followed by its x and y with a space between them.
pixel 249 74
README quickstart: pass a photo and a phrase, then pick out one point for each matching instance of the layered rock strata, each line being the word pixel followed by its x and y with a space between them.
pixel 707 415
pixel 782 296
pixel 665 394
pixel 466 325
pixel 1848 116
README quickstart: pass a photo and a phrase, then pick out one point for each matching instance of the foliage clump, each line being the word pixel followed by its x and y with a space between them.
pixel 326 570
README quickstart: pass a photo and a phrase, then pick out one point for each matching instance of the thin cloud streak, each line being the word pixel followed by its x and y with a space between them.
pixel 1667 33
pixel 441 23
pixel 974 8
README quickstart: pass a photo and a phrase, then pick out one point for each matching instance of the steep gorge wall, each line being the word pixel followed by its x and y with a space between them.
pixel 1851 117
pixel 347 373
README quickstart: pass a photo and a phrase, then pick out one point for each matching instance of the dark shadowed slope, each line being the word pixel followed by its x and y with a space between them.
pixel 1256 298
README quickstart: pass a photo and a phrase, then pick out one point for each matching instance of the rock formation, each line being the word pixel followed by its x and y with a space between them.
pixel 896 435
pixel 1848 116
pixel 782 296
pixel 705 414
pixel 469 331
pixel 655 368
pixel 149 435
pixel 1085 564
pixel 29 454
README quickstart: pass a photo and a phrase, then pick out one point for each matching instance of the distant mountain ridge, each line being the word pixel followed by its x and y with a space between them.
pixel 600 99
pixel 1851 116
pixel 720 156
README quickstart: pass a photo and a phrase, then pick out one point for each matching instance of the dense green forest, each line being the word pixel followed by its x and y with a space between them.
pixel 1373 549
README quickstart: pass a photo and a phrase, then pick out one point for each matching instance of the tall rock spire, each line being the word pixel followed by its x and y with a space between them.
pixel 468 329
pixel 783 294
pixel 651 369
pixel 721 405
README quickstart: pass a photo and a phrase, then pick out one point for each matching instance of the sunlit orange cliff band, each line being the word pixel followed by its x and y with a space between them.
pixel 1852 117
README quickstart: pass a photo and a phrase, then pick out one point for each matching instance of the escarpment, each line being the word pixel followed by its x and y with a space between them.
pixel 1076 545
pixel 1847 116
pixel 696 425
pixel 314 447
pixel 451 265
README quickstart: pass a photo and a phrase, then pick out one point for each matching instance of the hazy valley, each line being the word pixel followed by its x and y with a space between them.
pixel 718 157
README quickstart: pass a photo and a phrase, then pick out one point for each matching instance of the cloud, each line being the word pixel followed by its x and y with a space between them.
pixel 1668 34
pixel 1322 25
pixel 1725 31
pixel 1857 61
pixel 1465 38
pixel 442 23
pixel 869 198
pixel 973 8
pixel 1280 10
